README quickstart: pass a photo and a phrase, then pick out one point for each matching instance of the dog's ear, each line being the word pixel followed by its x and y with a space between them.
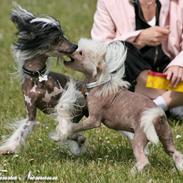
pixel 21 18
pixel 101 64
pixel 94 74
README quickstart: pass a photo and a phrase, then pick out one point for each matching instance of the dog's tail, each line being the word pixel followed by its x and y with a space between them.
pixel 148 119
pixel 67 102
pixel 65 110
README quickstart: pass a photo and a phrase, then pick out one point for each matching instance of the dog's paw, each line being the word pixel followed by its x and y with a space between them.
pixel 79 138
pixel 139 168
pixel 75 148
pixel 134 171
pixel 8 150
pixel 59 136
pixel 54 136
pixel 178 158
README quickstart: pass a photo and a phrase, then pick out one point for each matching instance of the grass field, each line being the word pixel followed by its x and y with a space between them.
pixel 109 156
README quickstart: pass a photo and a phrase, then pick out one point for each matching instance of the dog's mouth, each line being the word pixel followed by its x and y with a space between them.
pixel 65 52
pixel 68 60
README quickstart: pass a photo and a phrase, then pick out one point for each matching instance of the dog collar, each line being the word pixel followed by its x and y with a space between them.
pixel 95 84
pixel 35 74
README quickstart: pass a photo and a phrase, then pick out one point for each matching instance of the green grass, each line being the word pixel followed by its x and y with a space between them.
pixel 109 156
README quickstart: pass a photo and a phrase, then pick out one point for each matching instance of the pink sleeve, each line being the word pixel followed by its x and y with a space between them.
pixel 103 28
pixel 178 60
pixel 130 36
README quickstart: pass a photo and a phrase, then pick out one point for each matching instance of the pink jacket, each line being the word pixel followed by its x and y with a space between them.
pixel 115 20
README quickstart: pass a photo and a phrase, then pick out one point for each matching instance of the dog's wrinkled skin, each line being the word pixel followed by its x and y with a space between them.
pixel 38 38
pixel 121 109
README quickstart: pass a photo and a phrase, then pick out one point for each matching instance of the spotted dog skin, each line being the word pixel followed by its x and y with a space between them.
pixel 45 95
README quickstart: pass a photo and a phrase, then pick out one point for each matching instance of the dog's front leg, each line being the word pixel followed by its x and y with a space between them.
pixel 87 124
pixel 22 129
pixel 66 128
pixel 30 123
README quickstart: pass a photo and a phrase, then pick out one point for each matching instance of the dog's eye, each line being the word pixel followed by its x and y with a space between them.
pixel 57 39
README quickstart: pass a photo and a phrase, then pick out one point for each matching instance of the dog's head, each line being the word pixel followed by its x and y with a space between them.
pixel 89 58
pixel 38 35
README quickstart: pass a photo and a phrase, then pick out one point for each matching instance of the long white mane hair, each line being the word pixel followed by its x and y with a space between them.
pixel 115 59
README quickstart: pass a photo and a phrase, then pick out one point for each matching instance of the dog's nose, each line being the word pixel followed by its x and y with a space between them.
pixel 75 47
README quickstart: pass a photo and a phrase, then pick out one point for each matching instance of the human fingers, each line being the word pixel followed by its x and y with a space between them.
pixel 174 74
pixel 160 38
pixel 163 30
pixel 154 42
pixel 182 77
pixel 179 77
pixel 167 27
pixel 151 36
pixel 159 34
pixel 169 74
pixel 173 79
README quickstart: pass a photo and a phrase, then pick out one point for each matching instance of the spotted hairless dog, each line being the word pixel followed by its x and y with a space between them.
pixel 38 39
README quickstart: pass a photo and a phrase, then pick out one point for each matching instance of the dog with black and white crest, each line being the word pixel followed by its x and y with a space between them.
pixel 38 39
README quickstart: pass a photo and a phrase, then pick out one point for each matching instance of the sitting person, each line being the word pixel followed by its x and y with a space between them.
pixel 153 32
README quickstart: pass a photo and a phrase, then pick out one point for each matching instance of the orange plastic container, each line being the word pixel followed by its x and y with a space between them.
pixel 158 80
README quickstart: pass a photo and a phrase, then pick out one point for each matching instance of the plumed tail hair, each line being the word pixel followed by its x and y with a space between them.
pixel 65 111
pixel 67 103
pixel 147 123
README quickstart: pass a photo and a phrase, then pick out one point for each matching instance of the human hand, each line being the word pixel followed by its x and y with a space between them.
pixel 152 36
pixel 174 74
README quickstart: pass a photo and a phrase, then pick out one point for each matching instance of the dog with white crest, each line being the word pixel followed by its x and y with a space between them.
pixel 109 101
pixel 38 39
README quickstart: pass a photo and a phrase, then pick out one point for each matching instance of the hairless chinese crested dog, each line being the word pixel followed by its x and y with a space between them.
pixel 38 39
pixel 109 101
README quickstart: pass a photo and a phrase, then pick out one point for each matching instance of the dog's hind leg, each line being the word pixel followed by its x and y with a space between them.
pixel 165 135
pixel 17 139
pixel 138 144
pixel 130 137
